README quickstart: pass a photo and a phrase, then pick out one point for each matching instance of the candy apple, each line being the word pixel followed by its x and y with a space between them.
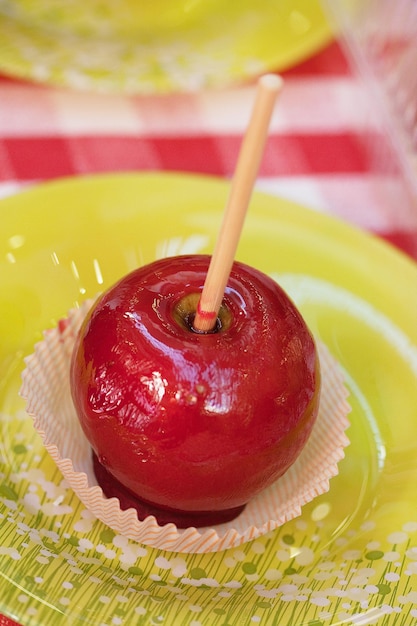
pixel 184 425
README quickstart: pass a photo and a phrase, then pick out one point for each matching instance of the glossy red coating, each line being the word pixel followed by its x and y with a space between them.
pixel 188 421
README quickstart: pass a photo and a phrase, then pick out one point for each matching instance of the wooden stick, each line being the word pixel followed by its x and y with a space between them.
pixel 243 182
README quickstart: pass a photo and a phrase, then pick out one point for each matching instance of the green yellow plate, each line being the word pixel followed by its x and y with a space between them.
pixel 351 557
pixel 159 46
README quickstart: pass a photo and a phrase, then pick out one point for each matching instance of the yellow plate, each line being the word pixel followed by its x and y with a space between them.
pixel 158 46
pixel 351 557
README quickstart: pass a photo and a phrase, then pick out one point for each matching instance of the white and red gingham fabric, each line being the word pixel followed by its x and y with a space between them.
pixel 326 148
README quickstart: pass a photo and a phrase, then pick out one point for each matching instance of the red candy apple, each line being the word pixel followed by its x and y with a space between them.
pixel 185 425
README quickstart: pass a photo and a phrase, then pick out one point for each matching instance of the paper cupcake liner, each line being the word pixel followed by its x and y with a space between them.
pixel 46 388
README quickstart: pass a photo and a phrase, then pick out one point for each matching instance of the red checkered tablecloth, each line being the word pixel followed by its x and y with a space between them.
pixel 326 150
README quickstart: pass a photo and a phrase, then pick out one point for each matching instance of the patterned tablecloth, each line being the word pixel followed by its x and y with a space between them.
pixel 326 150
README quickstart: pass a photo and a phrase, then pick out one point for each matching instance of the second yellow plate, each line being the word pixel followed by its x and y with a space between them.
pixel 156 47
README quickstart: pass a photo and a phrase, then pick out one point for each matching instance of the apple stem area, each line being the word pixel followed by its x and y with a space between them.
pixel 185 312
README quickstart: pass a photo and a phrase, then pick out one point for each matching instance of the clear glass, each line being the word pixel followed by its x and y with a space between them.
pixel 380 37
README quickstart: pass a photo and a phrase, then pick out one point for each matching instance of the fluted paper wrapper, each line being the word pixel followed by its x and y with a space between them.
pixel 46 388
